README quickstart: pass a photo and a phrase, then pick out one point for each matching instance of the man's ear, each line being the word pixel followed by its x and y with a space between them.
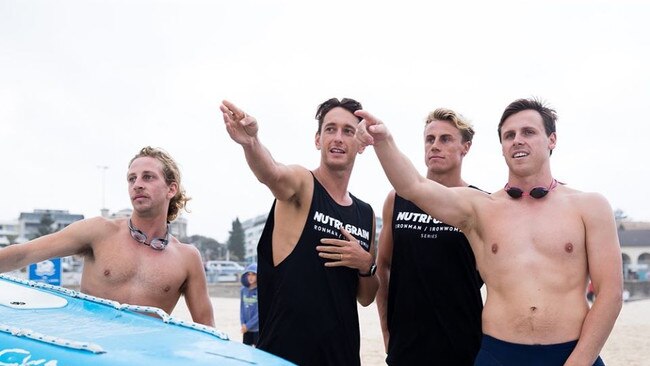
pixel 552 141
pixel 173 189
pixel 466 146
pixel 317 141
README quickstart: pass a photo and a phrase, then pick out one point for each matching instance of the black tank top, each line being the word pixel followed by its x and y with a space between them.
pixel 308 312
pixel 434 299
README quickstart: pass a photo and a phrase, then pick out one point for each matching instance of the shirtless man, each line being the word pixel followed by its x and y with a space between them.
pixel 429 297
pixel 308 292
pixel 135 260
pixel 537 243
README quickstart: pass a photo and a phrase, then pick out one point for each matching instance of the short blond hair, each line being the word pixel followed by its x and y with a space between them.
pixel 456 119
pixel 171 174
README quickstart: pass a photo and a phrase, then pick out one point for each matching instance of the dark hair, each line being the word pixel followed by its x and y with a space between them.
pixel 348 104
pixel 548 114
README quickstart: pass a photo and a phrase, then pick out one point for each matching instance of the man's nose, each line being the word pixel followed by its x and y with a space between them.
pixel 137 183
pixel 434 145
pixel 517 140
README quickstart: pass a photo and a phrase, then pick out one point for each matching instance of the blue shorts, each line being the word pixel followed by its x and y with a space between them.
pixel 495 352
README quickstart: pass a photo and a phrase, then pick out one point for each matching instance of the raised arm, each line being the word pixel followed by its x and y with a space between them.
pixel 384 260
pixel 73 239
pixel 283 181
pixel 604 259
pixel 451 205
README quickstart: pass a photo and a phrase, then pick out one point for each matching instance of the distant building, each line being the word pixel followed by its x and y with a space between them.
pixel 9 231
pixel 253 231
pixel 633 225
pixel 635 248
pixel 30 222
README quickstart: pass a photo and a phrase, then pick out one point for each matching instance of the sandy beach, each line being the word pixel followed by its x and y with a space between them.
pixel 628 344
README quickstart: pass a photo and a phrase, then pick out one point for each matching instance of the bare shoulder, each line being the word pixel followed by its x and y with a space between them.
pixel 102 223
pixel 290 184
pixel 188 252
pixel 300 173
pixel 473 194
pixel 303 180
pixel 95 227
pixel 471 191
pixel 589 203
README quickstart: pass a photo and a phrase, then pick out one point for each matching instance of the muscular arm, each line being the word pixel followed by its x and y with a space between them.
pixel 285 182
pixel 73 239
pixel 452 205
pixel 384 258
pixel 196 290
pixel 604 260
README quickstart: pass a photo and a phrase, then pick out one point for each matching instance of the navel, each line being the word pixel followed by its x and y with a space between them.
pixel 167 288
pixel 495 248
pixel 568 247
pixel 533 309
pixel 107 272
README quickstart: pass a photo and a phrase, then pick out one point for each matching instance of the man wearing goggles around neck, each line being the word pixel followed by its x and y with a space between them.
pixel 536 249
pixel 132 260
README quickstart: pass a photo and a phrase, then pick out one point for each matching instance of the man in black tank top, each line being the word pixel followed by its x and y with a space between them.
pixel 429 299
pixel 315 256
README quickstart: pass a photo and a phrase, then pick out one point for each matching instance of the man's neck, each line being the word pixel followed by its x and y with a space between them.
pixel 335 183
pixel 447 179
pixel 528 182
pixel 153 226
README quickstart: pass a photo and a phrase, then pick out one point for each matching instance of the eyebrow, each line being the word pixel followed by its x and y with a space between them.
pixel 143 172
pixel 441 135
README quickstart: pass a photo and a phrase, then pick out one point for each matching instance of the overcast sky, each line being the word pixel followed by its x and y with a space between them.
pixel 85 84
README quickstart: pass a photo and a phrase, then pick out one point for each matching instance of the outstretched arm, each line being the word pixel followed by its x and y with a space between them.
pixel 283 181
pixel 73 239
pixel 451 205
pixel 604 259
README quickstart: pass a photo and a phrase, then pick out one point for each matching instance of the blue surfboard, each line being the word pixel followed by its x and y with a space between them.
pixel 46 325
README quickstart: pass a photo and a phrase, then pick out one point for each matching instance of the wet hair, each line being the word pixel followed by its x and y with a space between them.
pixel 171 174
pixel 348 104
pixel 548 114
pixel 456 119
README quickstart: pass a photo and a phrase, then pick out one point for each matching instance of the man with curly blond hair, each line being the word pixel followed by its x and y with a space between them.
pixel 132 260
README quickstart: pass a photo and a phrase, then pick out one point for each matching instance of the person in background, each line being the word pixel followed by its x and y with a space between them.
pixel 248 314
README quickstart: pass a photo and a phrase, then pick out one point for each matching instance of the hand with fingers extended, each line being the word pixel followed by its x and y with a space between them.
pixel 241 127
pixel 345 253
pixel 371 129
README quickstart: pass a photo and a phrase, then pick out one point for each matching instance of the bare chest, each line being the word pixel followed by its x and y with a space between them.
pixel 531 236
pixel 132 268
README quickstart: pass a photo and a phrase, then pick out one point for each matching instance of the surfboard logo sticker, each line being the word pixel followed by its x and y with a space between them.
pixel 21 357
